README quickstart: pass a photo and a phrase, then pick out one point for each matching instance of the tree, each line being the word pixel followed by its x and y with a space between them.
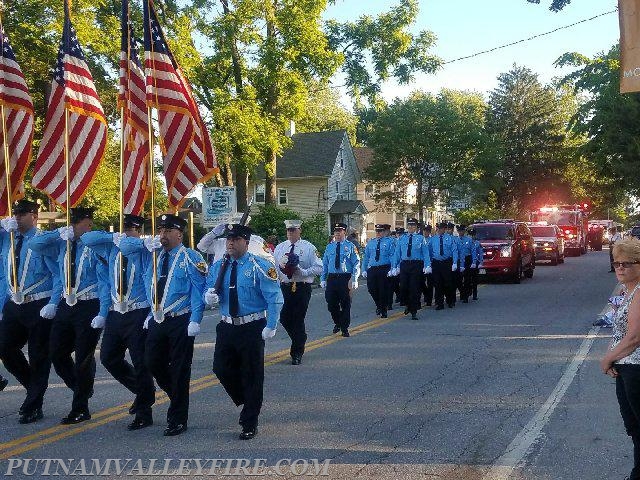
pixel 432 141
pixel 528 122
pixel 610 121
pixel 556 5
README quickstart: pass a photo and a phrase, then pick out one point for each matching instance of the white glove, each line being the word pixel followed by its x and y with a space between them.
pixel 98 322
pixel 396 271
pixel 193 329
pixel 10 224
pixel 211 298
pixel 364 274
pixel 354 285
pixel 480 265
pixel 152 243
pixel 427 270
pixel 473 266
pixel 268 333
pixel 145 325
pixel 117 238
pixel 323 284
pixel 454 267
pixel 48 311
pixel 217 231
pixel 66 233
pixel 461 269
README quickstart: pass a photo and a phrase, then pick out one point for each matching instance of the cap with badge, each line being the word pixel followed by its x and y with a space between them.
pixel 461 228
pixel 238 231
pixel 171 221
pixel 412 221
pixel 133 221
pixel 78 214
pixel 442 225
pixel 25 206
pixel 292 224
pixel 339 226
pixel 450 225
pixel 428 227
pixel 380 227
pixel 399 230
pixel 471 231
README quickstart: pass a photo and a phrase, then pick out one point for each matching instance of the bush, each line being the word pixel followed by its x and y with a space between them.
pixel 315 230
pixel 269 220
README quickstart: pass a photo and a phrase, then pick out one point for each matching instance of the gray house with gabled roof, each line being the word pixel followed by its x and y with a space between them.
pixel 318 174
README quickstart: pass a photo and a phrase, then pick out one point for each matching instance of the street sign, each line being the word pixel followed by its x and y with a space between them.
pixel 218 205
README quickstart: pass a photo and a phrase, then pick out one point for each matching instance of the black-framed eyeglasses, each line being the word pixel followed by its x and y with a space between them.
pixel 624 264
pixel 291 229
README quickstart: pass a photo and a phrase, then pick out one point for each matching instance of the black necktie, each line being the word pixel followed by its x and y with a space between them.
pixel 164 273
pixel 338 256
pixel 292 247
pixel 72 263
pixel 441 245
pixel 123 274
pixel 378 250
pixel 234 305
pixel 410 245
pixel 18 248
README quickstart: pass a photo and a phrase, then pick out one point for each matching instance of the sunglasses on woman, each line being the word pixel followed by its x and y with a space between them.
pixel 624 264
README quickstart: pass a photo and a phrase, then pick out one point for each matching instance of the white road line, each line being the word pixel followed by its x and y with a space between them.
pixel 504 466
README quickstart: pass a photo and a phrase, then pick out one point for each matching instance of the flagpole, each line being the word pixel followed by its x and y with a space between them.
pixel 153 209
pixel 7 169
pixel 66 167
pixel 191 235
pixel 122 140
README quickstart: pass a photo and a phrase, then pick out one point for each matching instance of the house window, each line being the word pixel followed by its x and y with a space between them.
pixel 259 193
pixel 370 226
pixel 282 196
pixel 369 192
pixel 338 187
pixel 348 191
pixel 341 158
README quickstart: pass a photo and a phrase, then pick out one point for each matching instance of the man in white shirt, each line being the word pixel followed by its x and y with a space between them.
pixel 298 263
pixel 615 236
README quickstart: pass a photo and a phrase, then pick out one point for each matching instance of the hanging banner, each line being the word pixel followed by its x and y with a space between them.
pixel 218 206
pixel 629 15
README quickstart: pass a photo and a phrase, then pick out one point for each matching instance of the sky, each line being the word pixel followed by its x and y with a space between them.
pixel 464 27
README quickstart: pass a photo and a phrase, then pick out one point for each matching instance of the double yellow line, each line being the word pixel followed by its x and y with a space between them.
pixel 39 439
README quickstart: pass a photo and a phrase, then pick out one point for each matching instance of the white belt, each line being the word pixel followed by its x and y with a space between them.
pixel 245 319
pixel 86 296
pixel 35 296
pixel 134 306
pixel 178 313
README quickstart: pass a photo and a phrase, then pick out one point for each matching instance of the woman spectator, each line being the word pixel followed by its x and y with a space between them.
pixel 622 361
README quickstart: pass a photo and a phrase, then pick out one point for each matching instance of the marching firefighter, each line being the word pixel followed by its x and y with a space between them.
pixel 443 252
pixel 376 266
pixel 298 265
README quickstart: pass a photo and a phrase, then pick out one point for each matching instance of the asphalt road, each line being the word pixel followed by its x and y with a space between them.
pixel 505 387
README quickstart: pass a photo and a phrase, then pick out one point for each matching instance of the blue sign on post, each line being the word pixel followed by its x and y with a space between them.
pixel 219 205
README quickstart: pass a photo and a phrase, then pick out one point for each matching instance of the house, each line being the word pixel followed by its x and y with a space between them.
pixel 317 175
pixel 397 217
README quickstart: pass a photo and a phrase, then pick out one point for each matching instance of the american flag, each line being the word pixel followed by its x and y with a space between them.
pixel 132 98
pixel 188 156
pixel 18 116
pixel 73 90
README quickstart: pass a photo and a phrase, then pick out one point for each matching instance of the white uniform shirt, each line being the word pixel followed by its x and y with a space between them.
pixel 310 263
pixel 218 247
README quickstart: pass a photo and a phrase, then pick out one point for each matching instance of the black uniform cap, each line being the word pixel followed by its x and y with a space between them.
pixel 450 225
pixel 428 227
pixel 471 231
pixel 386 226
pixel 399 230
pixel 412 221
pixel 238 231
pixel 78 214
pixel 171 221
pixel 380 227
pixel 133 221
pixel 339 226
pixel 25 206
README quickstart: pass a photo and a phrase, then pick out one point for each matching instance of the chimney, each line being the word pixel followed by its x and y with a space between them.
pixel 291 131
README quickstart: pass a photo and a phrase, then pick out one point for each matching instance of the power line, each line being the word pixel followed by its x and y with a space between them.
pixel 530 38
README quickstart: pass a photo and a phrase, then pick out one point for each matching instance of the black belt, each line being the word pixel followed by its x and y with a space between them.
pixel 338 275
pixel 412 261
pixel 450 259
pixel 380 266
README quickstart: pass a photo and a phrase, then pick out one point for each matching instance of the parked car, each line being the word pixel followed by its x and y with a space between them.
pixel 549 242
pixel 509 249
pixel 635 231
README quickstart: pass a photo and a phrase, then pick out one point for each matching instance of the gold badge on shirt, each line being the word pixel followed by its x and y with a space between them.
pixel 272 274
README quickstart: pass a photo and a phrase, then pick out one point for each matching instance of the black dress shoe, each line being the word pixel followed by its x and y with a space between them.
pixel 414 317
pixel 75 417
pixel 173 430
pixel 139 423
pixel 3 383
pixel 345 333
pixel 336 329
pixel 465 300
pixel 248 433
pixel 30 417
pixel 406 311
pixel 377 311
pixel 384 315
pixel 440 307
pixel 132 408
pixel 390 307
pixel 451 305
pixel 475 297
pixel 296 360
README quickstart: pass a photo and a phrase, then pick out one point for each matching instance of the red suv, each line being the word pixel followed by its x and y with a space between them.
pixel 509 249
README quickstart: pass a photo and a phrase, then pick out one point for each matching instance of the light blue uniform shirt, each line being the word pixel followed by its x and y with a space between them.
pixel 418 249
pixel 387 250
pixel 91 271
pixel 465 246
pixel 184 289
pixel 349 260
pixel 257 284
pixel 36 277
pixel 450 247
pixel 102 244
pixel 478 253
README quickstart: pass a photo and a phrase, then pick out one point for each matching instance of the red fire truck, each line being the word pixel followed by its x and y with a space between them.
pixel 572 220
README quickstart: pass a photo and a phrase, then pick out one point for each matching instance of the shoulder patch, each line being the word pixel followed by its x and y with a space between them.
pixel 202 267
pixel 272 274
